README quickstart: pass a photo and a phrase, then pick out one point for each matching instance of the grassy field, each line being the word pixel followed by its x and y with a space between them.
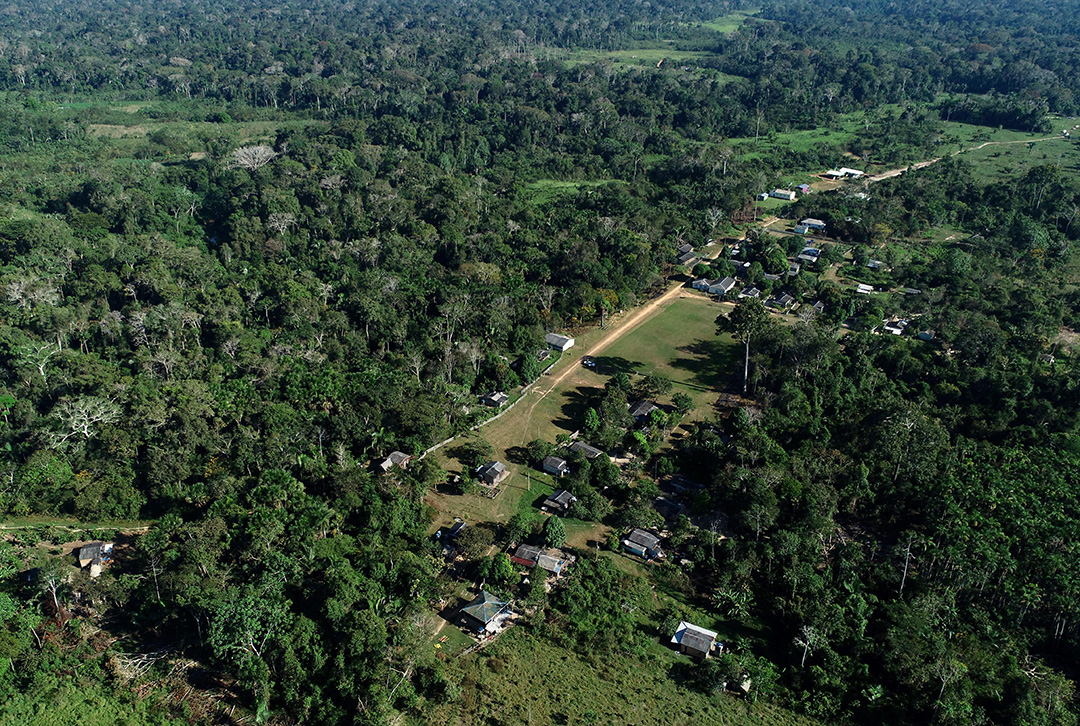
pixel 637 57
pixel 524 679
pixel 678 343
pixel 546 191
pixel 731 22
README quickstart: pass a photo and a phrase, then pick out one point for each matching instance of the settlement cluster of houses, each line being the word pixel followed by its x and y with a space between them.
pixel 782 301
pixel 790 195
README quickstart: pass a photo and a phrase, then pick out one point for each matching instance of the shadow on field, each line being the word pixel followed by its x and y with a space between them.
pixel 609 365
pixel 710 361
pixel 574 403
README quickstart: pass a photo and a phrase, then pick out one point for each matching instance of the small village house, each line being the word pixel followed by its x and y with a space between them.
pixel 495 399
pixel 695 641
pixel 785 194
pixel 722 287
pixel 492 473
pixel 811 223
pixel 526 556
pixel 396 458
pixel 640 410
pixel 555 466
pixel 93 554
pixel 559 502
pixel 702 284
pixel 589 452
pixel 643 544
pixel 484 613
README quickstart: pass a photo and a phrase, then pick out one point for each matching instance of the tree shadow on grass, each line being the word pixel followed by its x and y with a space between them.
pixel 518 455
pixel 710 361
pixel 610 365
pixel 573 407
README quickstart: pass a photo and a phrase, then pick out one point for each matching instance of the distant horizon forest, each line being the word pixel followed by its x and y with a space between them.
pixel 249 249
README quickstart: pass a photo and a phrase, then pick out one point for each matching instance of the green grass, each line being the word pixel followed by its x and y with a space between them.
pixel 678 343
pixel 731 22
pixel 524 679
pixel 547 191
pixel 646 57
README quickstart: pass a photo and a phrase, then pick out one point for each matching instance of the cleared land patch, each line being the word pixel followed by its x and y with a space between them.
pixel 524 679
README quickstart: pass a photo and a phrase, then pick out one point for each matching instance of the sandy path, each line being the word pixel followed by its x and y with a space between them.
pixel 616 331
pixel 922 164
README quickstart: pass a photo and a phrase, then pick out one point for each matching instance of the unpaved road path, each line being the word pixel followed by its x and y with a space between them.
pixel 922 164
pixel 616 331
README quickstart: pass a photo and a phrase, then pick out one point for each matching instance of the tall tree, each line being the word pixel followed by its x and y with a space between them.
pixel 744 322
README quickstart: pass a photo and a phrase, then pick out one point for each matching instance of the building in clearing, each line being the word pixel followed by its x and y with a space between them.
pixel 93 554
pixel 722 287
pixel 493 472
pixel 559 502
pixel 642 543
pixel 589 452
pixel 559 342
pixel 555 466
pixel 813 223
pixel 495 399
pixel 526 556
pixel 695 641
pixel 785 194
pixel 482 613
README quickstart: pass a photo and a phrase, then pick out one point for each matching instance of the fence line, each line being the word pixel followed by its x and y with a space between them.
pixel 485 422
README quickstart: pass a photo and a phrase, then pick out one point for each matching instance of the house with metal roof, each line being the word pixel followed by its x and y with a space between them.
pixel 695 641
pixel 642 544
pixel 482 613
pixel 589 452
pixel 559 502
pixel 492 472
pixel 559 342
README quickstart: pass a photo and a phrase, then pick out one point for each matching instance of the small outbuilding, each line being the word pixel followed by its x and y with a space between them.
pixel 559 342
pixel 695 641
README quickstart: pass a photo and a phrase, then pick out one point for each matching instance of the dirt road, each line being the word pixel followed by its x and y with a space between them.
pixel 922 164
pixel 617 330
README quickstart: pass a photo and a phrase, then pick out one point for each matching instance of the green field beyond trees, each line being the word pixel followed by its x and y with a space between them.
pixel 276 286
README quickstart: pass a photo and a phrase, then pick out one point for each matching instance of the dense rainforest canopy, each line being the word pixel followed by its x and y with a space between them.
pixel 246 248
